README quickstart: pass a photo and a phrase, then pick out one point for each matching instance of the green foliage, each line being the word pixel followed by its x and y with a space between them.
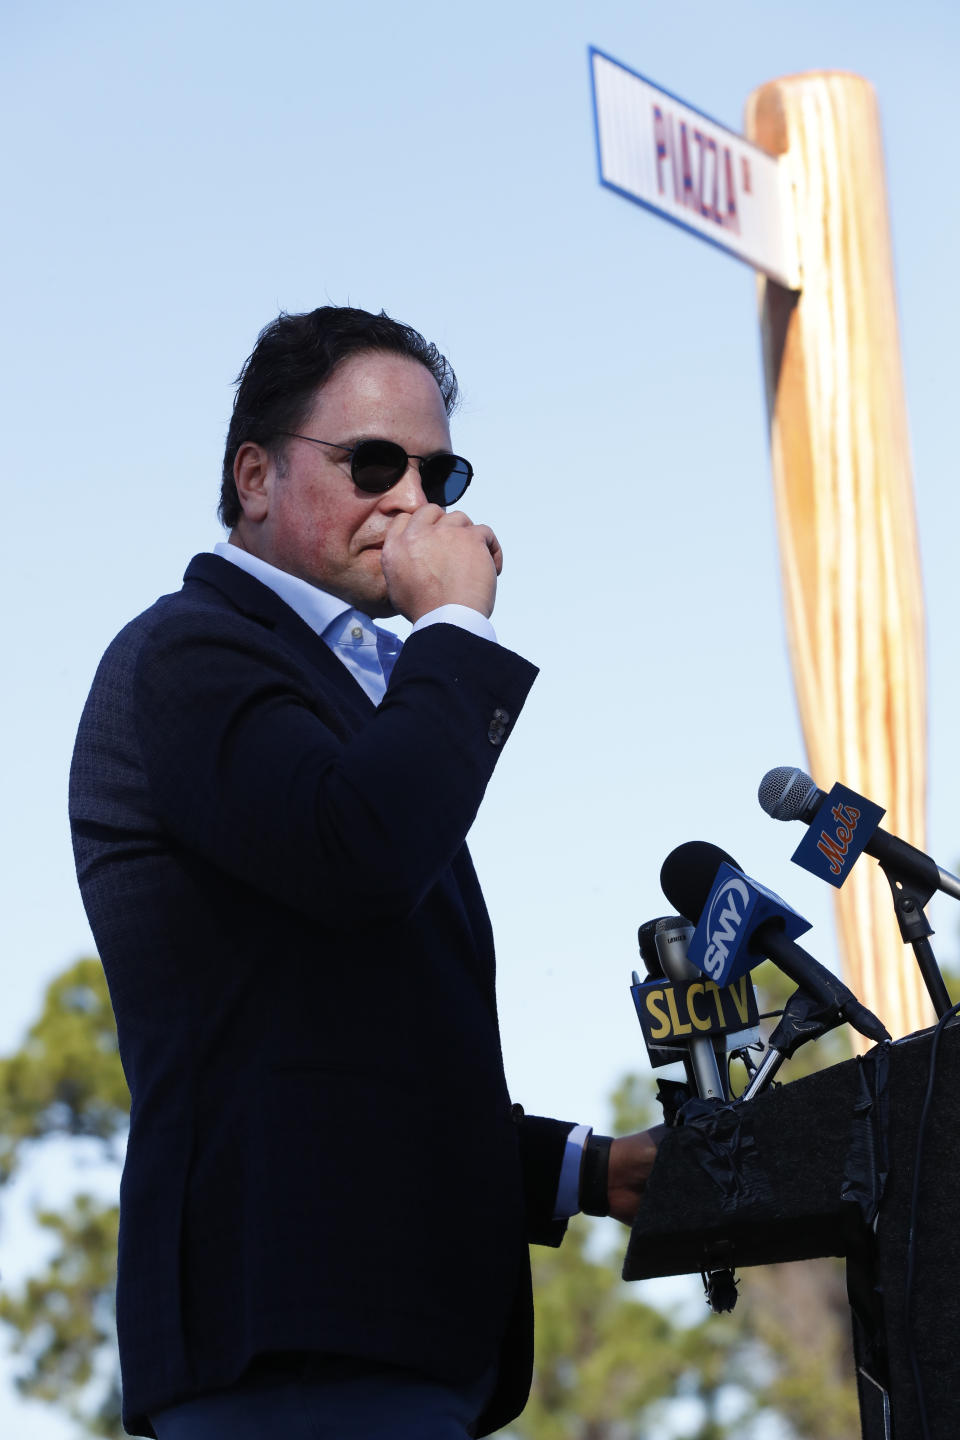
pixel 633 1105
pixel 64 1318
pixel 66 1079
pixel 605 1361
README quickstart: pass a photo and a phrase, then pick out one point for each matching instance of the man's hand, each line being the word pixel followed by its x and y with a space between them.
pixel 631 1160
pixel 434 557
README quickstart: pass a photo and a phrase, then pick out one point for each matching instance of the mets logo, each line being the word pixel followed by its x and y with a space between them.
pixel 728 907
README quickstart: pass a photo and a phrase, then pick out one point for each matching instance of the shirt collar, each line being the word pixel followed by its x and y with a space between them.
pixel 318 608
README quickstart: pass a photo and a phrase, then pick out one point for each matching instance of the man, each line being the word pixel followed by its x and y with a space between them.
pixel 327 1194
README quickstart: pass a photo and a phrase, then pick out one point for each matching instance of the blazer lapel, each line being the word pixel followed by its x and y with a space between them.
pixel 258 602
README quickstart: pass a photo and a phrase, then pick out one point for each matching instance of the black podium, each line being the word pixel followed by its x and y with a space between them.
pixel 827 1165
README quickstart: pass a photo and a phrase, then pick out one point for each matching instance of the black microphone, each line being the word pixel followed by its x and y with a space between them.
pixel 648 949
pixel 788 793
pixel 686 879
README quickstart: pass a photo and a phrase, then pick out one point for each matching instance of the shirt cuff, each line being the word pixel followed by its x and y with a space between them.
pixel 568 1186
pixel 460 615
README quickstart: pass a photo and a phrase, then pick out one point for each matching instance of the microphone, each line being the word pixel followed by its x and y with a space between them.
pixel 648 948
pixel 668 1015
pixel 671 937
pixel 687 879
pixel 663 947
pixel 680 1050
pixel 842 825
pixel 787 793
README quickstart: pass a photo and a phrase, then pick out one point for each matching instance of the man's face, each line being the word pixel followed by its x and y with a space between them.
pixel 315 523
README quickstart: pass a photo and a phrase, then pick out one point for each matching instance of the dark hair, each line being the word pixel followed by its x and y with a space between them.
pixel 295 355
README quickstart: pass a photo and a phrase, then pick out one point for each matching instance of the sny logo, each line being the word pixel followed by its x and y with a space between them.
pixel 736 905
pixel 723 921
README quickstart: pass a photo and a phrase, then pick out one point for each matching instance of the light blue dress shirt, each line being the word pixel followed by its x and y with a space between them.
pixel 367 650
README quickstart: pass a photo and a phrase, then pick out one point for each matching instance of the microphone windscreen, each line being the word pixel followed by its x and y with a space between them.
pixel 648 947
pixel 688 873
pixel 786 793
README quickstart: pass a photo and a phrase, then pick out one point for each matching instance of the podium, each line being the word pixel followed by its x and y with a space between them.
pixel 828 1165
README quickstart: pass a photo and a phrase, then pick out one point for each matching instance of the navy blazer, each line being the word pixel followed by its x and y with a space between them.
pixel 323 1155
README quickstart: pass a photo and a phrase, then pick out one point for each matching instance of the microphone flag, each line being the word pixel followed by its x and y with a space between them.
pixel 734 909
pixel 840 830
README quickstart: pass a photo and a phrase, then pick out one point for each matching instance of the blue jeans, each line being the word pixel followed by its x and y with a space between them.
pixel 330 1402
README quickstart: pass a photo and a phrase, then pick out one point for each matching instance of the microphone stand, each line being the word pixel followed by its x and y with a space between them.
pixel 804 1018
pixel 663 946
pixel 909 898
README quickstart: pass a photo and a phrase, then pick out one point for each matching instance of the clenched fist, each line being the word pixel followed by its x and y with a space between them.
pixel 438 557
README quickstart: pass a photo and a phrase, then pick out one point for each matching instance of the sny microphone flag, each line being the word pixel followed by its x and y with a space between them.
pixel 839 832
pixel 735 907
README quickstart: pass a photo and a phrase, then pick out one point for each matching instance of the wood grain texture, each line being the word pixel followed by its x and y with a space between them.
pixel 844 500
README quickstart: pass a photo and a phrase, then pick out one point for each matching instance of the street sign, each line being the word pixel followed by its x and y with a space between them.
pixel 663 154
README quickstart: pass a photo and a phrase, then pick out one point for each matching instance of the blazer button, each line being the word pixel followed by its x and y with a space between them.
pixel 498 726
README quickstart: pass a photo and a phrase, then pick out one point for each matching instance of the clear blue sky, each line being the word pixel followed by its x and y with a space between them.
pixel 174 175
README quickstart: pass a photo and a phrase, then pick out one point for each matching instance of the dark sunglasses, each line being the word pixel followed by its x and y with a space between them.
pixel 377 465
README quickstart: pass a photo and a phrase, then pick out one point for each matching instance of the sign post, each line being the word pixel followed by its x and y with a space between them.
pixel 803 201
pixel 843 486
